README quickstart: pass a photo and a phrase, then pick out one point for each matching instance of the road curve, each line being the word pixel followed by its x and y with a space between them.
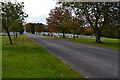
pixel 91 61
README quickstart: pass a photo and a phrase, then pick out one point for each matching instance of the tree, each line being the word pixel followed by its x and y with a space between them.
pixel 97 15
pixel 10 13
pixel 88 31
pixel 32 28
pixel 38 27
pixel 112 32
pixel 57 19
pixel 21 29
pixel 75 24
pixel 12 29
pixel 15 27
pixel 27 27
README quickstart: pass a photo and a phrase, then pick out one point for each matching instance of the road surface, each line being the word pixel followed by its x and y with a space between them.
pixel 91 61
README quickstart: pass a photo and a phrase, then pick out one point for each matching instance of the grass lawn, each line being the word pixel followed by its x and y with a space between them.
pixel 107 42
pixel 26 59
pixel 0 57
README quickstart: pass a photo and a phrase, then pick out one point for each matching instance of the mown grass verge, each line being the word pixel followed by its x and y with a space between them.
pixel 26 59
pixel 0 57
pixel 107 42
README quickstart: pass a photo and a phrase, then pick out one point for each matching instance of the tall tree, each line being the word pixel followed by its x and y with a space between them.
pixel 10 13
pixel 57 18
pixel 98 15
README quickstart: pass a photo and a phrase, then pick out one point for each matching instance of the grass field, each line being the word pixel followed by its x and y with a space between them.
pixel 107 42
pixel 0 57
pixel 26 59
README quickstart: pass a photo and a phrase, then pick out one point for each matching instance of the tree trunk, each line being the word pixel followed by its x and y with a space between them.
pixel 8 35
pixel 63 34
pixel 74 36
pixel 16 34
pixel 98 37
pixel 51 34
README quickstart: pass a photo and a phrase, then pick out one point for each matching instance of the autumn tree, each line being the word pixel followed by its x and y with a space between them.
pixel 97 15
pixel 88 31
pixel 57 19
pixel 74 24
pixel 27 27
pixel 38 27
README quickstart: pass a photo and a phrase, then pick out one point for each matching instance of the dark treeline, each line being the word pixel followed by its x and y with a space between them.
pixel 35 27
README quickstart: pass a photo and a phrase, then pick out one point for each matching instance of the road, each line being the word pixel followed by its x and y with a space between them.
pixel 91 61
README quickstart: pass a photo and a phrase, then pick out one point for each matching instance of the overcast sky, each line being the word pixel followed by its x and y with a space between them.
pixel 38 10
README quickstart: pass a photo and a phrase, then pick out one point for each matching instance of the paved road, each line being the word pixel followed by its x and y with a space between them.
pixel 91 61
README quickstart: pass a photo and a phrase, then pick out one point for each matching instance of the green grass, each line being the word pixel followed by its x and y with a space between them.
pixel 0 57
pixel 26 59
pixel 107 42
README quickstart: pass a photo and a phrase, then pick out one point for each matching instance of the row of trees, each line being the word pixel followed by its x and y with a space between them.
pixel 61 20
pixel 101 17
pixel 12 17
pixel 35 27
